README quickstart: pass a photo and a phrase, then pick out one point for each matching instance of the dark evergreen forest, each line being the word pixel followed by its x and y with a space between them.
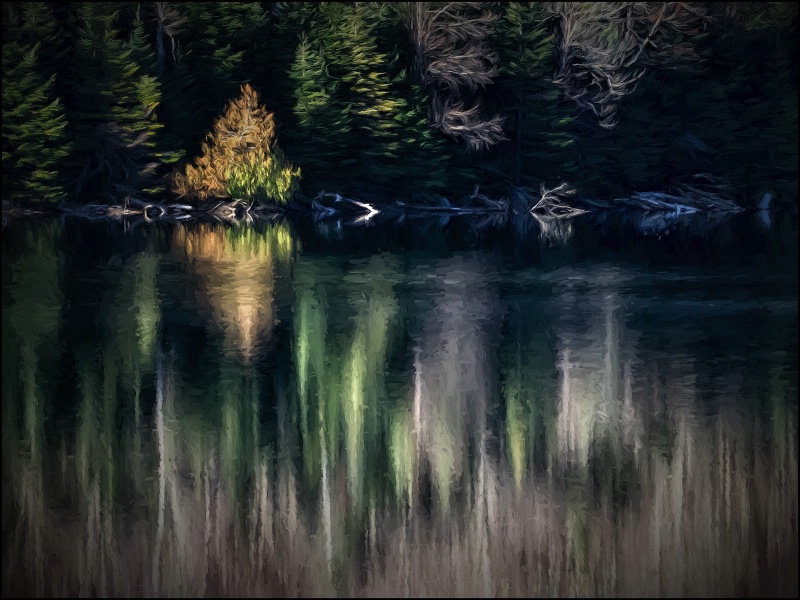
pixel 396 101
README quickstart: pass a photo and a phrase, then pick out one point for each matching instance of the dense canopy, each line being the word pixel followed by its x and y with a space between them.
pixel 397 100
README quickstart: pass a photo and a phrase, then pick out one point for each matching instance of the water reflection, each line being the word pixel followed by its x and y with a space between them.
pixel 234 273
pixel 404 424
pixel 31 320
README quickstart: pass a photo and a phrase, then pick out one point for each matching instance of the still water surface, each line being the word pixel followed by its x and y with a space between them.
pixel 273 410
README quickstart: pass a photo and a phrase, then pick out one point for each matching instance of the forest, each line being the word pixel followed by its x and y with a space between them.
pixel 425 103
pixel 294 302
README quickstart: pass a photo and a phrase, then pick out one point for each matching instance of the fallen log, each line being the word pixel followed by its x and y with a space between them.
pixel 701 194
pixel 365 210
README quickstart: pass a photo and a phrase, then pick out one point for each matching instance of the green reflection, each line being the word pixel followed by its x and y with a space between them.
pixel 133 322
pixel 529 388
pixel 341 368
pixel 402 448
pixel 34 317
pixel 31 321
pixel 371 293
pixel 311 355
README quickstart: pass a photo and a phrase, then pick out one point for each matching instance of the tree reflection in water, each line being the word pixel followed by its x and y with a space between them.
pixel 434 433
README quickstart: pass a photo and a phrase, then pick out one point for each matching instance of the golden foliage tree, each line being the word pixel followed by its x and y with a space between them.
pixel 240 157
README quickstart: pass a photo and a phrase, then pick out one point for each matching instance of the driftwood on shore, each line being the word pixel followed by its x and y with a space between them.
pixel 546 205
pixel 134 211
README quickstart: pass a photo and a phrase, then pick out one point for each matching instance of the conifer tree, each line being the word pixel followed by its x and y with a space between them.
pixel 167 26
pixel 114 108
pixel 367 90
pixel 387 120
pixel 34 141
pixel 346 81
pixel 36 23
pixel 321 139
pixel 289 22
pixel 355 126
pixel 537 122
pixel 222 45
pixel 166 150
pixel 424 155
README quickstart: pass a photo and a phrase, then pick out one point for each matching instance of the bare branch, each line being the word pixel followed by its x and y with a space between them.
pixel 603 48
pixel 551 204
pixel 168 22
pixel 454 119
pixel 450 40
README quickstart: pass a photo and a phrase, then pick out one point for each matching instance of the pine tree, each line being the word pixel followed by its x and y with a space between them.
pixel 34 141
pixel 321 140
pixel 165 150
pixel 349 94
pixel 36 23
pixel 337 85
pixel 367 90
pixel 222 46
pixel 539 145
pixel 167 26
pixel 387 128
pixel 424 155
pixel 290 22
pixel 114 108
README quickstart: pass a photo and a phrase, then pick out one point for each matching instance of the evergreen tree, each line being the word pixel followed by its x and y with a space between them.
pixel 388 130
pixel 537 123
pixel 167 149
pixel 222 45
pixel 114 108
pixel 290 21
pixel 167 26
pixel 34 141
pixel 36 23
pixel 367 91
pixel 424 155
pixel 321 140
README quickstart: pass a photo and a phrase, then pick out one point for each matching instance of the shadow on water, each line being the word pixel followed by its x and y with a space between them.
pixel 205 410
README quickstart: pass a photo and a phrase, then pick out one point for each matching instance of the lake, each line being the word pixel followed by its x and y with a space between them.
pixel 604 408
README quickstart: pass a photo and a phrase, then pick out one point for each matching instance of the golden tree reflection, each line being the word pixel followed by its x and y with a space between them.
pixel 235 271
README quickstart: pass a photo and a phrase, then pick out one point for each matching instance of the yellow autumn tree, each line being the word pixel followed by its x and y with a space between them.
pixel 240 157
